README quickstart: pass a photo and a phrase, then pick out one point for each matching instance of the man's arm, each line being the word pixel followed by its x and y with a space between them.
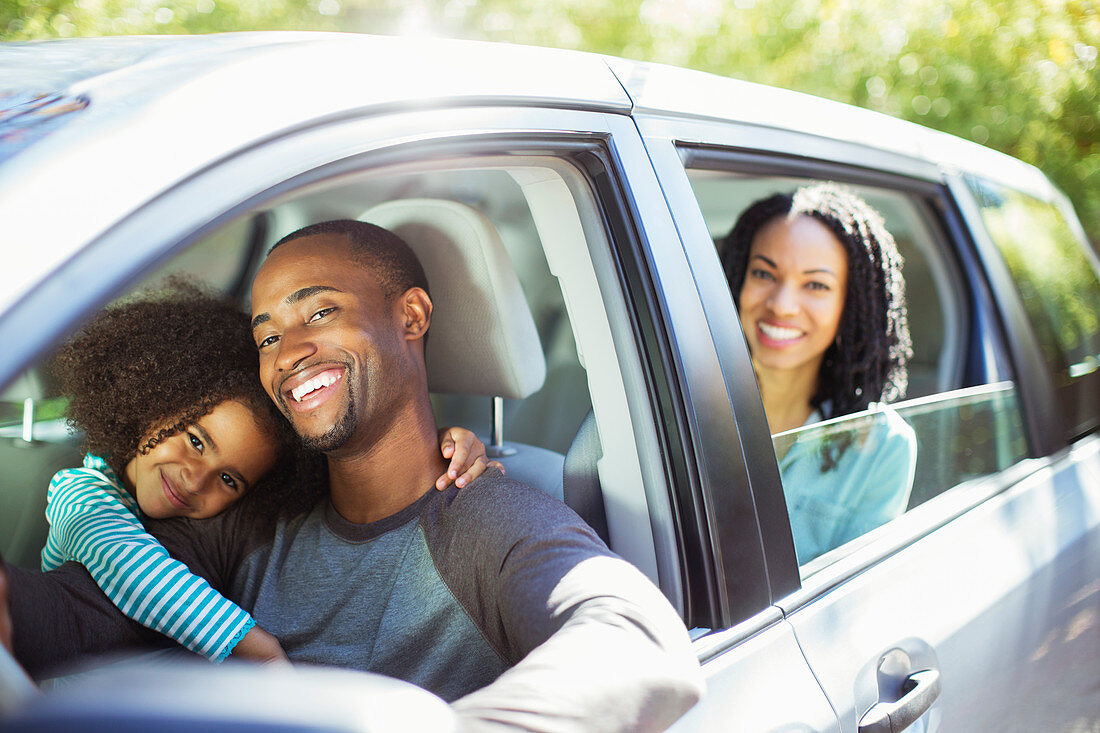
pixel 595 645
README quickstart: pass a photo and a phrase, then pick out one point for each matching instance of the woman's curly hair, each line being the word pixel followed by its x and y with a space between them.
pixel 868 360
pixel 144 369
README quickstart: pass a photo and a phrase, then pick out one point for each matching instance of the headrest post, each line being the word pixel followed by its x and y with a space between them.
pixel 496 447
pixel 28 420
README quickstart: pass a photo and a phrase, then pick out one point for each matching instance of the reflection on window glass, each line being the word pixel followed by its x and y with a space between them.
pixel 218 260
pixel 1059 286
pixel 844 477
pixel 963 435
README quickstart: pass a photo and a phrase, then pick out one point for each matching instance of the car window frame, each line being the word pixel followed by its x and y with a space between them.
pixel 1037 394
pixel 1053 428
pixel 674 143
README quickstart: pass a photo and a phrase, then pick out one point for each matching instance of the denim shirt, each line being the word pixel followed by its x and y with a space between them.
pixel 868 486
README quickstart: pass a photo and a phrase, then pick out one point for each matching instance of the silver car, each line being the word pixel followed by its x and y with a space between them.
pixel 607 183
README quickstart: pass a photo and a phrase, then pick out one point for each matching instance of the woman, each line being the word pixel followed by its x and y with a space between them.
pixel 817 282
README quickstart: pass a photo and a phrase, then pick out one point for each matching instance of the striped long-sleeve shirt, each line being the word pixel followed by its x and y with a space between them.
pixel 95 521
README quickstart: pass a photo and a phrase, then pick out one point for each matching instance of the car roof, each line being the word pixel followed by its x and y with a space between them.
pixel 664 90
pixel 133 116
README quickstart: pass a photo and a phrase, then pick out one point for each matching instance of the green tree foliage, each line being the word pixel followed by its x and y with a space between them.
pixel 36 19
pixel 1021 76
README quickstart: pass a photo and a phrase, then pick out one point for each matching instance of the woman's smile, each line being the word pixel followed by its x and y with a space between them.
pixel 778 336
pixel 792 299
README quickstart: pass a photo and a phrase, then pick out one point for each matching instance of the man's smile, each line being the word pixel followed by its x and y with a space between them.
pixel 311 387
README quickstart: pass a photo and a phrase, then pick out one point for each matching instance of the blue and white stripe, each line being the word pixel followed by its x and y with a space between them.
pixel 95 521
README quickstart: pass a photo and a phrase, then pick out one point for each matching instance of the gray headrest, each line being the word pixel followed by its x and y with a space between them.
pixel 482 340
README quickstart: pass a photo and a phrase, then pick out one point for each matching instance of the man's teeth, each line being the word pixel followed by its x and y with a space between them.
pixel 322 380
pixel 779 333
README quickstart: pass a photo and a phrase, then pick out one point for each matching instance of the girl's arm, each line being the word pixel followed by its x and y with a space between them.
pixel 90 524
pixel 260 646
pixel 467 454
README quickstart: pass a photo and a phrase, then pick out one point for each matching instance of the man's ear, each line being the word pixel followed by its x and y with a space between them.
pixel 416 310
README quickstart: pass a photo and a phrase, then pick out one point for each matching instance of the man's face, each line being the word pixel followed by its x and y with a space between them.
pixel 331 353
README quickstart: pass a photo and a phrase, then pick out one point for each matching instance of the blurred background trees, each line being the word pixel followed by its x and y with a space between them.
pixel 1021 76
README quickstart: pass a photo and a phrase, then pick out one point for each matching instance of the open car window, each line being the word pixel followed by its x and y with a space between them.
pixel 846 477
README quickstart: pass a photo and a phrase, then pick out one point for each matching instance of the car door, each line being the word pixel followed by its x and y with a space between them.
pixel 971 610
pixel 590 207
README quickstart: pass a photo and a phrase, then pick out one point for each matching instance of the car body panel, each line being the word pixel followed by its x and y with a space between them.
pixel 993 600
pixel 757 672
pixel 993 584
pixel 149 126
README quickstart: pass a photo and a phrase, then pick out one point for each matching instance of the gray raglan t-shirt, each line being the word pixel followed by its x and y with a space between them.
pixel 367 597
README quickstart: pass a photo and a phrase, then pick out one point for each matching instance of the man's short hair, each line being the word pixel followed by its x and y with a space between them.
pixel 381 251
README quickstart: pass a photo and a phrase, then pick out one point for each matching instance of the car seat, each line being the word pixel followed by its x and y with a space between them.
pixel 482 339
pixel 30 454
pixel 581 481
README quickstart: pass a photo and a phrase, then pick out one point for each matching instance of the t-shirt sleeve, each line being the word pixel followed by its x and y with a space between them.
pixel 594 644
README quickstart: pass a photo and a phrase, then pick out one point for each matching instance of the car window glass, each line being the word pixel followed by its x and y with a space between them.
pixel 844 476
pixel 1059 287
pixel 220 259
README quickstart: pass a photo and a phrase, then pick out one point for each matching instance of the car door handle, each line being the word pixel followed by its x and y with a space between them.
pixel 894 717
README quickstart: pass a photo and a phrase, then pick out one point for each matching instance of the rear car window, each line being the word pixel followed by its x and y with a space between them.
pixel 1058 284
pixel 845 477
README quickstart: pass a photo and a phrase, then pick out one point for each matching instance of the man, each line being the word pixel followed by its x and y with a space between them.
pixel 496 597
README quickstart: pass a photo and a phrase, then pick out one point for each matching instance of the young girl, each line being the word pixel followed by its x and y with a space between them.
pixel 176 424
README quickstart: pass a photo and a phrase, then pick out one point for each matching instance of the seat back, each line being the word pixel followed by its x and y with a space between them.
pixel 581 479
pixel 482 340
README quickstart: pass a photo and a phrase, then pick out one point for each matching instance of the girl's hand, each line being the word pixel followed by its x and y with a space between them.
pixel 259 646
pixel 467 454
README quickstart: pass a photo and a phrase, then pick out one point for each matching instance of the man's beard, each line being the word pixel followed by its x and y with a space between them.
pixel 339 434
pixel 336 436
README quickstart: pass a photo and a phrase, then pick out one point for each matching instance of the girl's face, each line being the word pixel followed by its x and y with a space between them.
pixel 200 471
pixel 793 295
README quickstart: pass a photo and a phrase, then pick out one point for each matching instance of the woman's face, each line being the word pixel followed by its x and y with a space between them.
pixel 201 470
pixel 793 295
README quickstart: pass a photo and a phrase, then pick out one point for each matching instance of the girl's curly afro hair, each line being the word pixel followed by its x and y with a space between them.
pixel 146 368
pixel 868 360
